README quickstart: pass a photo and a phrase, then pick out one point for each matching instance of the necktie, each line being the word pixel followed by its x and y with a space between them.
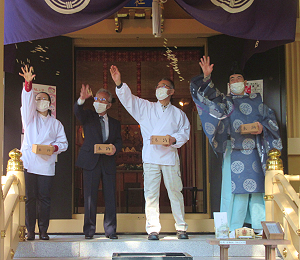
pixel 103 128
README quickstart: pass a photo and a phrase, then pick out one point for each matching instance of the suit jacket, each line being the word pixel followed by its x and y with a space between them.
pixel 93 135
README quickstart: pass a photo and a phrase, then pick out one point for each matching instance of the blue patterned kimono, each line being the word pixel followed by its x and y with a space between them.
pixel 244 162
pixel 222 116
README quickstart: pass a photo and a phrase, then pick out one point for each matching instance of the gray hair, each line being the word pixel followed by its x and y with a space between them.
pixel 172 85
pixel 107 92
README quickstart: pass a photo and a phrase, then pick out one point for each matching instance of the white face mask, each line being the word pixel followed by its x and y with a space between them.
pixel 99 107
pixel 237 88
pixel 42 105
pixel 161 93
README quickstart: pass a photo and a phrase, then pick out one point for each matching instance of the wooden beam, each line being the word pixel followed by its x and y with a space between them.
pixel 142 28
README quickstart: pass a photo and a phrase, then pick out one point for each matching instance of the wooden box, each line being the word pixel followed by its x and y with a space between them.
pixel 42 149
pixel 244 233
pixel 159 139
pixel 103 148
pixel 249 128
pixel 272 230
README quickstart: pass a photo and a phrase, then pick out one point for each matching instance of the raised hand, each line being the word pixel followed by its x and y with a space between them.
pixel 27 75
pixel 116 75
pixel 205 65
pixel 85 92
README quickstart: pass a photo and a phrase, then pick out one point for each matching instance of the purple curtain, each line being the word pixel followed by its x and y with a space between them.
pixel 263 20
pixel 27 20
pixel 268 20
pixel 263 24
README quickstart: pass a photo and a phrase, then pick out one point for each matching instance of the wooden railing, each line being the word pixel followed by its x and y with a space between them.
pixel 12 206
pixel 283 204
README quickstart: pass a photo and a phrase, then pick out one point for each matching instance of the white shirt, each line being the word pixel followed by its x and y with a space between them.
pixel 40 130
pixel 154 121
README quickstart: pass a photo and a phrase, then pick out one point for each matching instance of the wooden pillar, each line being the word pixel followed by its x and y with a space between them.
pixel 1 85
pixel 2 248
pixel 292 53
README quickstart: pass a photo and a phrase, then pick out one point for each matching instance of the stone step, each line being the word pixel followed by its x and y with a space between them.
pixel 76 246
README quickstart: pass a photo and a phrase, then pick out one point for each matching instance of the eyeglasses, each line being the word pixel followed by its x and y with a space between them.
pixel 101 99
pixel 162 86
pixel 39 98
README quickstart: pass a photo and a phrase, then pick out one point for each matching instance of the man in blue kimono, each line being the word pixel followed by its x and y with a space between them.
pixel 244 161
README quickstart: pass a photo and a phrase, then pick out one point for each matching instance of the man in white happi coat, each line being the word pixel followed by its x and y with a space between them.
pixel 158 118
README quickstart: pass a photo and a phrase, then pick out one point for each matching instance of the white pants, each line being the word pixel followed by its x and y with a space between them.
pixel 173 183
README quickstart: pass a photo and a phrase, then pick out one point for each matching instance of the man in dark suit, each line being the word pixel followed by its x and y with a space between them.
pixel 99 128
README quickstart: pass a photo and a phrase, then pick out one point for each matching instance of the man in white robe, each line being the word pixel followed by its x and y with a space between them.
pixel 158 118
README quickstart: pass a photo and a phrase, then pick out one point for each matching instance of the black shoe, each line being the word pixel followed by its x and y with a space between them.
pixel 112 236
pixel 30 235
pixel 89 237
pixel 44 236
pixel 153 236
pixel 182 235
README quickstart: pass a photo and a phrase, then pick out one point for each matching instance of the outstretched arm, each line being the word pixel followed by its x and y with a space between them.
pixel 116 75
pixel 80 113
pixel 27 75
pixel 205 65
pixel 85 92
pixel 28 107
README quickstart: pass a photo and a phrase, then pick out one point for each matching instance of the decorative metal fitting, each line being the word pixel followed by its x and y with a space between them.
pixel 22 198
pixel 3 233
pixel 15 163
pixel 274 162
pixel 12 253
pixel 22 233
pixel 118 29
pixel 268 197
pixel 284 252
pixel 298 232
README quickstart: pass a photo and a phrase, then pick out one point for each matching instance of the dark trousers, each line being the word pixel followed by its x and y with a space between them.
pixel 37 205
pixel 91 180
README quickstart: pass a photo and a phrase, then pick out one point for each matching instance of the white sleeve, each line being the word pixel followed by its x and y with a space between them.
pixel 133 104
pixel 80 101
pixel 61 139
pixel 28 107
pixel 183 133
